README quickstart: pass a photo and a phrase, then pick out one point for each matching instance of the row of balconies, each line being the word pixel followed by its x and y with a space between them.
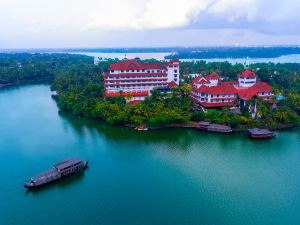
pixel 145 86
pixel 135 77
pixel 223 100
pixel 214 96
pixel 265 94
pixel 136 71
pixel 134 81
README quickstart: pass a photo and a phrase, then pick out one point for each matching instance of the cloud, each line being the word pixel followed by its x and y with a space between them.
pixel 44 21
pixel 153 14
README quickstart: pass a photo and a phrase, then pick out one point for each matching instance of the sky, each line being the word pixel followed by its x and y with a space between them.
pixel 147 23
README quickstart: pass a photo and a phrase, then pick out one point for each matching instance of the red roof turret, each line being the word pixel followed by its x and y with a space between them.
pixel 212 76
pixel 248 73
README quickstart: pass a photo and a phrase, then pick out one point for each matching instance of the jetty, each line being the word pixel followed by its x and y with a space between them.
pixel 257 133
pixel 208 126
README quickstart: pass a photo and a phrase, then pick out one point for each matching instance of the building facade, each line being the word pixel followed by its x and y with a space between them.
pixel 210 92
pixel 135 79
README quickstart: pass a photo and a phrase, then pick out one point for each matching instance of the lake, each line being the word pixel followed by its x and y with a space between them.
pixel 161 55
pixel 170 176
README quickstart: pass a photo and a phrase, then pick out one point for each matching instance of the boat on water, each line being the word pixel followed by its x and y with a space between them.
pixel 257 133
pixel 59 171
pixel 207 126
pixel 141 128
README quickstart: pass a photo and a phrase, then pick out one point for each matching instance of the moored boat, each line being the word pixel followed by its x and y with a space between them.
pixel 141 128
pixel 207 126
pixel 257 133
pixel 59 171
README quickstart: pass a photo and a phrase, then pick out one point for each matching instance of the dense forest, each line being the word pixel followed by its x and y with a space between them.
pixel 36 68
pixel 79 86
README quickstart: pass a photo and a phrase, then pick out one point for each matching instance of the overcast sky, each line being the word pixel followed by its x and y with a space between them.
pixel 150 23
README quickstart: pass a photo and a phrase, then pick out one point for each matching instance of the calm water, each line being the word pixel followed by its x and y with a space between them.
pixel 161 55
pixel 159 177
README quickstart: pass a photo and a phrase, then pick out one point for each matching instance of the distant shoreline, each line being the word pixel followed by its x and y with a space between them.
pixel 6 85
pixel 193 125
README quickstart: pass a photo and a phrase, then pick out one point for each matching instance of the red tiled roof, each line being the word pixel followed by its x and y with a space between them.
pixel 172 84
pixel 199 80
pixel 172 61
pixel 247 73
pixel 132 64
pixel 212 76
pixel 133 93
pixel 247 93
pixel 214 90
pixel 228 83
pixel 228 88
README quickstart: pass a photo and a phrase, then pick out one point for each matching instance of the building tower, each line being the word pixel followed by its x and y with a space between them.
pixel 173 71
pixel 247 79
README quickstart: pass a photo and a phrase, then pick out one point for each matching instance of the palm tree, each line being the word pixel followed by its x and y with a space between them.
pixel 128 96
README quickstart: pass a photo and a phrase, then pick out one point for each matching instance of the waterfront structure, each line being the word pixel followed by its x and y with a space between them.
pixel 210 92
pixel 256 133
pixel 135 80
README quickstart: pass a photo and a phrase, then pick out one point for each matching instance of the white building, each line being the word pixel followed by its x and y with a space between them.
pixel 129 77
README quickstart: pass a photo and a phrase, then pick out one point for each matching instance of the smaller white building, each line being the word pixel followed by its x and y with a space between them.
pixel 247 79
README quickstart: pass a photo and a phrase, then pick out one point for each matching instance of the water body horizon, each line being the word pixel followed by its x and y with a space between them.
pixel 161 56
pixel 169 176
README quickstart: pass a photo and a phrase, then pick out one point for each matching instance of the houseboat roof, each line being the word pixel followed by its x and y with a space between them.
pixel 67 163
pixel 257 131
pixel 203 123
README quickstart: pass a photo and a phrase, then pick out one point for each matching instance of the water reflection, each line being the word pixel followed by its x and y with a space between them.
pixel 181 138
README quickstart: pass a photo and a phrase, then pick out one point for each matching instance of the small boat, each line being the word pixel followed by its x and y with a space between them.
pixel 59 171
pixel 141 128
pixel 257 133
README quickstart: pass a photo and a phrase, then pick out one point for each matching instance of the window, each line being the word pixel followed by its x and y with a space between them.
pixel 112 71
pixel 122 71
pixel 148 71
pixel 175 71
pixel 132 70
pixel 143 70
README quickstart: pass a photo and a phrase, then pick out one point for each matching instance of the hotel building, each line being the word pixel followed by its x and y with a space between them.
pixel 138 79
pixel 210 92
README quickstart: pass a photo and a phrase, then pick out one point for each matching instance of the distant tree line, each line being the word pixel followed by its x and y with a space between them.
pixel 233 52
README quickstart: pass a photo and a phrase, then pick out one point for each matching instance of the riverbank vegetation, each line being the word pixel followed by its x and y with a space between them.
pixel 23 68
pixel 82 94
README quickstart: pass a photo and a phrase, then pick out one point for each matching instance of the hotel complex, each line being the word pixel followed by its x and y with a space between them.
pixel 130 77
pixel 210 92
pixel 137 80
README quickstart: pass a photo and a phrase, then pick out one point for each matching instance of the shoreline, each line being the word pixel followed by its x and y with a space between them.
pixel 6 85
pixel 193 125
